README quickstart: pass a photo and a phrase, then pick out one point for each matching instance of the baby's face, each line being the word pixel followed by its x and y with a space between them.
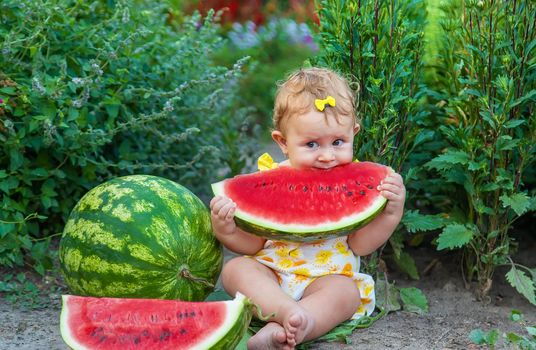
pixel 313 141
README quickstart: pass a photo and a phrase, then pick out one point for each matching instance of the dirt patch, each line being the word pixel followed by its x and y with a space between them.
pixel 454 312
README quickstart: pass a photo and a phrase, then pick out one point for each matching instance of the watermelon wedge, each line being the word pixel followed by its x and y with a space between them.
pixel 306 205
pixel 121 323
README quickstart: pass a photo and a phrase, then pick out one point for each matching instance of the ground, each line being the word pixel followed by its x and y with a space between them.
pixel 454 313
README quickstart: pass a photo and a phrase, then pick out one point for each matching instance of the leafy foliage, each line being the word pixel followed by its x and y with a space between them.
pixel 486 97
pixel 491 338
pixel 92 90
pixel 414 300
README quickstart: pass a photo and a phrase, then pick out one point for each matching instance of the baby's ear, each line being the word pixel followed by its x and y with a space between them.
pixel 280 139
pixel 357 127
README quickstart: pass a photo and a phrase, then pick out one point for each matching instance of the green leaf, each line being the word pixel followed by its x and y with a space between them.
pixel 413 221
pixel 531 330
pixel 449 158
pixel 531 95
pixel 516 315
pixel 6 228
pixel 454 236
pixel 478 336
pixel 519 202
pixel 8 90
pixel 506 143
pixel 423 136
pixel 514 123
pixel 522 283
pixel 387 295
pixel 414 300
pixel 406 263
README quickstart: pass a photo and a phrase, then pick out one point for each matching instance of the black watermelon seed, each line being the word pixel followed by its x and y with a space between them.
pixel 183 331
pixel 344 187
pixel 370 187
pixel 192 314
pixel 137 340
pixel 349 193
pixel 304 188
pixel 362 192
pixel 358 183
pixel 328 188
pixel 102 338
pixel 145 333
pixel 320 188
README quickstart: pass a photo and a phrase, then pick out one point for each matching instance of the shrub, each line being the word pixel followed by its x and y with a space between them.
pixel 92 90
pixel 487 92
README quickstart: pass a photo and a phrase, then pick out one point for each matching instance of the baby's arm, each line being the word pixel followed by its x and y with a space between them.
pixel 369 238
pixel 222 216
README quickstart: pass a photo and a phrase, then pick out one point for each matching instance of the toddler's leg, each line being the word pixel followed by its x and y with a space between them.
pixel 330 300
pixel 260 284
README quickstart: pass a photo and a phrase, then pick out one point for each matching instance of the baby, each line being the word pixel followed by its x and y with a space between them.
pixel 308 288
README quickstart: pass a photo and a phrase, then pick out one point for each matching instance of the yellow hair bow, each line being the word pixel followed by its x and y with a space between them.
pixel 265 162
pixel 321 104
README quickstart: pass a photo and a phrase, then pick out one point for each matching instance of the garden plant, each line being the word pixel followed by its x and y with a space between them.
pixel 475 119
pixel 93 90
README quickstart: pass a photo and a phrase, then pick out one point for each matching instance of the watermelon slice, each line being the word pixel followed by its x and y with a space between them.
pixel 116 323
pixel 306 205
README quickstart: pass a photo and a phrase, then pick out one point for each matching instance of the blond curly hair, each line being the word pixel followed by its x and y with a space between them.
pixel 297 94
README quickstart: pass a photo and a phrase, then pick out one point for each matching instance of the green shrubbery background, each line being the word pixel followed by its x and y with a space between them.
pixel 93 90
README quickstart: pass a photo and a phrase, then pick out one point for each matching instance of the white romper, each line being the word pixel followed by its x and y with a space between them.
pixel 297 265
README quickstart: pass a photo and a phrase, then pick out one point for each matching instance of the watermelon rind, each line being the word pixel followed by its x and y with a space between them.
pixel 303 233
pixel 226 337
pixel 233 328
pixel 65 330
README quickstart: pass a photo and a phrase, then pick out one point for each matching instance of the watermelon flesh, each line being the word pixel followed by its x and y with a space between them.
pixel 306 205
pixel 122 323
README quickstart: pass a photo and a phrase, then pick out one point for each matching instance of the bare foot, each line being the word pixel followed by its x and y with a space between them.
pixel 270 337
pixel 297 326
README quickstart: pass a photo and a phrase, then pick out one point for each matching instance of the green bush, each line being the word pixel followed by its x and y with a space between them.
pixel 92 90
pixel 486 91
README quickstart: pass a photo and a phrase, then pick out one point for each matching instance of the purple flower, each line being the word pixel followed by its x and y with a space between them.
pixel 1 101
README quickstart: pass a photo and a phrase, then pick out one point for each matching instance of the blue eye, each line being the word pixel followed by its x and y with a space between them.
pixel 311 144
pixel 338 142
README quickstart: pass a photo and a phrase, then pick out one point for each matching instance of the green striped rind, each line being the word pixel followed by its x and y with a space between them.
pixel 234 335
pixel 65 330
pixel 306 236
pixel 301 233
pixel 140 236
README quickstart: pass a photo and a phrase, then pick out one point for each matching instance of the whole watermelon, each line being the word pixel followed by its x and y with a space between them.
pixel 140 236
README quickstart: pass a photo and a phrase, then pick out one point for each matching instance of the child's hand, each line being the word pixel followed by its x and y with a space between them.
pixel 393 189
pixel 222 211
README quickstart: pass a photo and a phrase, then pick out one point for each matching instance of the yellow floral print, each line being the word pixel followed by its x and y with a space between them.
pixel 297 265
pixel 282 252
pixel 323 257
pixel 342 248
pixel 295 253
pixel 285 263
